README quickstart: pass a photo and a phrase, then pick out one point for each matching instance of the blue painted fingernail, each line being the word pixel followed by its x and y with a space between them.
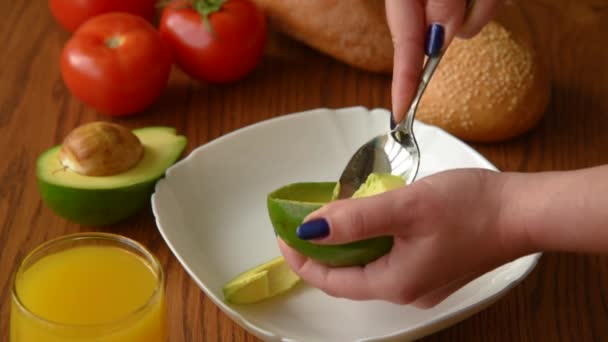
pixel 393 123
pixel 434 40
pixel 313 229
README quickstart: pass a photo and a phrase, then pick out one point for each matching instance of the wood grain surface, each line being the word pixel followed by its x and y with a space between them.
pixel 564 299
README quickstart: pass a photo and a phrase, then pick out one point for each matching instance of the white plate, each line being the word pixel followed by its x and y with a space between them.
pixel 211 210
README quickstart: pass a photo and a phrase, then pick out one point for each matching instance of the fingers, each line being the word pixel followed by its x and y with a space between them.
pixel 448 13
pixel 346 282
pixel 359 219
pixel 406 21
pixel 374 281
pixel 479 14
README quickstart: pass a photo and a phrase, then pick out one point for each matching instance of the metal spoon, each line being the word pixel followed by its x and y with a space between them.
pixel 397 151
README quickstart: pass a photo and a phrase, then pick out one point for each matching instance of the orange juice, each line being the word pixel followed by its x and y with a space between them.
pixel 89 292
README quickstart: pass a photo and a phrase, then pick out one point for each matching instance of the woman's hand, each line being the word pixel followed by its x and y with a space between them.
pixel 445 230
pixel 408 21
pixel 453 226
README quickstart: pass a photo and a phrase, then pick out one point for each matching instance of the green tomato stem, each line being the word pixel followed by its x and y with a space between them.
pixel 114 41
pixel 203 7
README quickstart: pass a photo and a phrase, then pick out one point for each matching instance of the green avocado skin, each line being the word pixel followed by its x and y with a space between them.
pixel 104 206
pixel 286 216
pixel 96 207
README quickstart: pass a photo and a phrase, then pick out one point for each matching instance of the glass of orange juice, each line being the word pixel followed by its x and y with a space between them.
pixel 89 287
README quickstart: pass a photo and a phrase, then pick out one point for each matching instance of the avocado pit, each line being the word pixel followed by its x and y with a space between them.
pixel 101 149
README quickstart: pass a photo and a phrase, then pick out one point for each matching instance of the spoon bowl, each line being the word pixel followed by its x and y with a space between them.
pixel 395 152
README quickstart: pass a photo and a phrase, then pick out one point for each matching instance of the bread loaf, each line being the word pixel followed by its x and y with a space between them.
pixel 354 31
pixel 488 88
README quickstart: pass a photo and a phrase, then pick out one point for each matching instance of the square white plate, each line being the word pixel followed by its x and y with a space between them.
pixel 211 210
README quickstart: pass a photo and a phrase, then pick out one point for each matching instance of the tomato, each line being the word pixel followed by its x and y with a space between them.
pixel 72 13
pixel 116 63
pixel 221 46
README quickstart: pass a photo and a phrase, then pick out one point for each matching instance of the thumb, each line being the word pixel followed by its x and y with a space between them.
pixel 357 219
pixel 406 22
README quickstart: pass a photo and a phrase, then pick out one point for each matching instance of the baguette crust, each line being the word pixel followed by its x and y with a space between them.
pixel 354 31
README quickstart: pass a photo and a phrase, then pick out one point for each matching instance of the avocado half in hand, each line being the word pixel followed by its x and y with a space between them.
pixel 289 205
pixel 104 173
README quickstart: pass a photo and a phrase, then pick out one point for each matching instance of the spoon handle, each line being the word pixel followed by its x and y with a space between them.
pixel 434 50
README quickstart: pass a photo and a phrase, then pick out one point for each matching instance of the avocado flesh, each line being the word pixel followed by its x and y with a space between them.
pixel 377 183
pixel 108 199
pixel 289 205
pixel 261 282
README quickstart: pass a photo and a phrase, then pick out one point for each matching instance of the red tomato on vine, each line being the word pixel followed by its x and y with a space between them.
pixel 214 40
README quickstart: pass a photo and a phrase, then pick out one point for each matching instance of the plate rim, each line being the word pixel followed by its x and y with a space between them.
pixel 415 332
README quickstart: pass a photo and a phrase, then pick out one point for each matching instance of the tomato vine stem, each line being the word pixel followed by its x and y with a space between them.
pixel 203 7
pixel 207 7
pixel 114 41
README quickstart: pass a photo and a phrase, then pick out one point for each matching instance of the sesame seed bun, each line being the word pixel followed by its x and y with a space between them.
pixel 488 88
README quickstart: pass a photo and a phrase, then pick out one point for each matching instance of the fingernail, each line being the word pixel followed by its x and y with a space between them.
pixel 393 123
pixel 313 229
pixel 434 40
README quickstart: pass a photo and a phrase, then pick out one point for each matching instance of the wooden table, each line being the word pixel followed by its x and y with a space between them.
pixel 564 298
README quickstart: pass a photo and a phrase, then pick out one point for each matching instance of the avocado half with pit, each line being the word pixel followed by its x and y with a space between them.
pixel 102 200
pixel 290 204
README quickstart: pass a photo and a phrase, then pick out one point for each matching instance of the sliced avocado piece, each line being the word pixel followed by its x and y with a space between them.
pixel 103 200
pixel 261 282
